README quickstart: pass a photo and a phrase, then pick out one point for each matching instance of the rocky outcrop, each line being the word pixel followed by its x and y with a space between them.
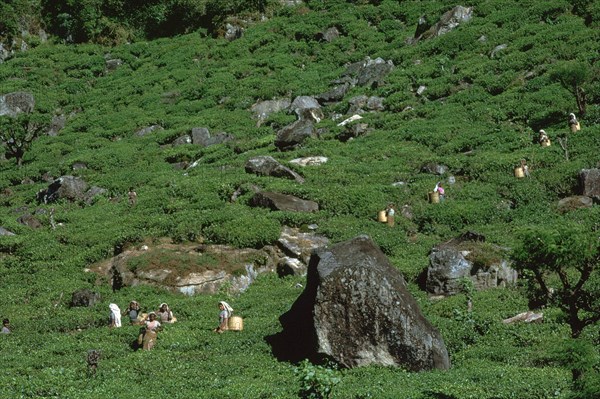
pixel 236 269
pixel 357 310
pixel 268 166
pixel 282 202
pixel 589 180
pixel 12 104
pixel 329 35
pixel 463 258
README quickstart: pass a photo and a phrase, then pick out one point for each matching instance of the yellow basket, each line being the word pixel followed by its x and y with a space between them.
pixel 381 216
pixel 236 323
pixel 519 172
pixel 434 197
pixel 545 143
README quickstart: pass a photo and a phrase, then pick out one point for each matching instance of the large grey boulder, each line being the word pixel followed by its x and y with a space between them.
pixel 282 202
pixel 293 135
pixel 268 166
pixel 12 104
pixel 589 180
pixel 65 187
pixel 452 262
pixel 357 310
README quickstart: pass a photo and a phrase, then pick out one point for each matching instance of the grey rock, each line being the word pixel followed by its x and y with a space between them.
pixel 263 109
pixel 434 168
pixel 148 129
pixel 79 166
pixel 307 107
pixel 293 135
pixel 282 202
pixel 57 124
pixel 330 34
pixel 12 104
pixel 589 181
pixel 92 193
pixel 233 32
pixel 70 188
pixel 290 267
pixel 497 49
pixel 85 298
pixel 30 221
pixel 575 202
pixel 310 161
pixel 113 64
pixel 268 166
pixel 202 137
pixel 373 72
pixel 182 140
pixel 299 245
pixel 4 232
pixel 449 21
pixel 335 94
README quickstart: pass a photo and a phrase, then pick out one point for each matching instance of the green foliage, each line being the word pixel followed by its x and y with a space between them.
pixel 316 382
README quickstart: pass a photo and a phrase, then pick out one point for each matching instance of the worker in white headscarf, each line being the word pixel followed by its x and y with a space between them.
pixel 543 138
pixel 573 123
pixel 225 313
pixel 114 316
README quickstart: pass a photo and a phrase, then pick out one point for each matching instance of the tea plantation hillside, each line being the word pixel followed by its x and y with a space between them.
pixel 471 100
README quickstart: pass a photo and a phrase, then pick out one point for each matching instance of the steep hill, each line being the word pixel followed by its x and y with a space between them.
pixel 463 107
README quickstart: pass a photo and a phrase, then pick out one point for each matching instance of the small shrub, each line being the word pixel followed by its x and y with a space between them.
pixel 316 382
